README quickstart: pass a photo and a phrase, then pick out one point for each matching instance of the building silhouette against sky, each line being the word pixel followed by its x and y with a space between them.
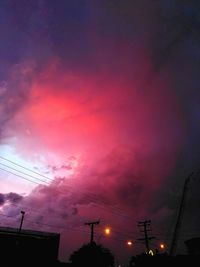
pixel 27 246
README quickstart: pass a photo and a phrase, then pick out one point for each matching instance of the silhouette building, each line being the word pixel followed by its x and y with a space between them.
pixel 27 246
pixel 193 246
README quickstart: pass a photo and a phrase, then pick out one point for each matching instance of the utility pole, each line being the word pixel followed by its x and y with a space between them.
pixel 91 224
pixel 22 212
pixel 180 216
pixel 146 228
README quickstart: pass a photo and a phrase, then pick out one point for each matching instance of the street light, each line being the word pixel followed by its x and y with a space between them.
pixel 129 243
pixel 162 246
pixel 107 231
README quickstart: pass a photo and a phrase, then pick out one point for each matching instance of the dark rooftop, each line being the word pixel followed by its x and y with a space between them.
pixel 10 230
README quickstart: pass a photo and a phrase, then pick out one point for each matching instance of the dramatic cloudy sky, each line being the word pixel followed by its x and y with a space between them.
pixel 99 118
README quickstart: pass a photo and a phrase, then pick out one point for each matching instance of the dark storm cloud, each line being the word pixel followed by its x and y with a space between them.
pixel 2 199
pixel 23 33
pixel 13 197
pixel 14 93
pixel 23 42
pixel 10 197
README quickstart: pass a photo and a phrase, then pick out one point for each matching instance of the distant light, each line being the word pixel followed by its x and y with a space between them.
pixel 129 243
pixel 150 252
pixel 162 246
pixel 107 231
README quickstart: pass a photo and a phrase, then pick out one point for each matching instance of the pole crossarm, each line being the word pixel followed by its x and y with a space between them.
pixel 91 224
pixel 146 228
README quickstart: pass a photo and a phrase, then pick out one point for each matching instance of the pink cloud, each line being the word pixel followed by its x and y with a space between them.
pixel 123 142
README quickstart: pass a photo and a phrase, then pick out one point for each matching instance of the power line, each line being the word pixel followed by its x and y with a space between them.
pixel 115 234
pixel 23 173
pixel 20 176
pixel 25 168
pixel 57 226
pixel 90 196
pixel 44 224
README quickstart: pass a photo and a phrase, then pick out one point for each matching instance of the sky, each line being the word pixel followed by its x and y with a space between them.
pixel 100 119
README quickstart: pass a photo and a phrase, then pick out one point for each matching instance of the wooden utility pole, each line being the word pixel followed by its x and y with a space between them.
pixel 146 228
pixel 20 227
pixel 180 217
pixel 91 224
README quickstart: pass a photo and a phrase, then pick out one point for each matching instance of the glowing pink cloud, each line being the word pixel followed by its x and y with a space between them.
pixel 123 142
pixel 102 99
pixel 77 115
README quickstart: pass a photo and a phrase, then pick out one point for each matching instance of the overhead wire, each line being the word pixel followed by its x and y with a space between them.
pixel 88 195
pixel 118 238
pixel 25 168
pixel 44 224
pixel 20 176
pixel 114 231
pixel 14 169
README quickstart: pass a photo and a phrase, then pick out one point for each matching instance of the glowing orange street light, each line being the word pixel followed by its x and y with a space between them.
pixel 129 243
pixel 107 230
pixel 162 246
